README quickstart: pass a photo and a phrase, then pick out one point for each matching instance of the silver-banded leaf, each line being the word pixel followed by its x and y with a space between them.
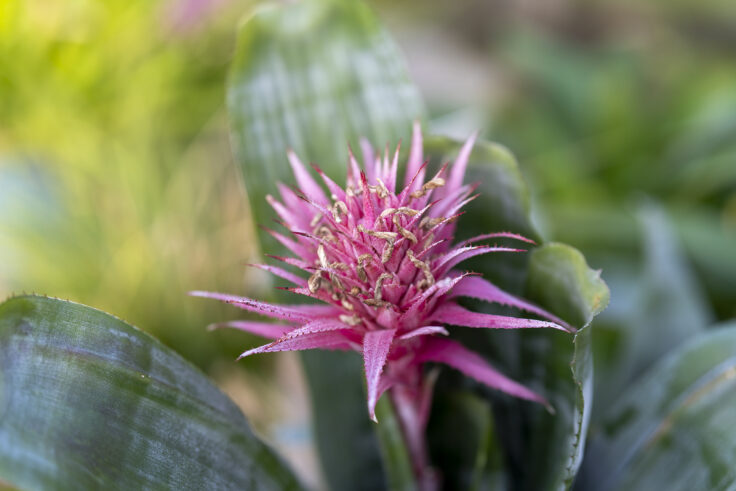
pixel 675 428
pixel 314 76
pixel 88 401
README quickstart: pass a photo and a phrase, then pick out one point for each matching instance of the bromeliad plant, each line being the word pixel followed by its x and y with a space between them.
pixel 88 401
pixel 381 256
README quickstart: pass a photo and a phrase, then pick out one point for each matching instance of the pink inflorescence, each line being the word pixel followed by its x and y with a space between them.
pixel 384 264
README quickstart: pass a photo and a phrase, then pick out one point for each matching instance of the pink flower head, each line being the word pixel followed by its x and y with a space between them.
pixel 383 262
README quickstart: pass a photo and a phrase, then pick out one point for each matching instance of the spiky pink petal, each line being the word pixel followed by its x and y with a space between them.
pixel 308 185
pixel 315 326
pixel 369 159
pixel 461 163
pixel 315 334
pixel 376 345
pixel 414 170
pixel 287 214
pixel 425 331
pixel 457 356
pixel 317 340
pixel 458 316
pixel 332 186
pixel 477 287
pixel 263 329
pixel 294 313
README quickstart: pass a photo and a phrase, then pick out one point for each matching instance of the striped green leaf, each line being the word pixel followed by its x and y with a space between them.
pixel 313 76
pixel 90 402
pixel 675 428
pixel 316 76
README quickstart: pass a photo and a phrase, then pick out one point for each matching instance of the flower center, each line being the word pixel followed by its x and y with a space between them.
pixel 374 251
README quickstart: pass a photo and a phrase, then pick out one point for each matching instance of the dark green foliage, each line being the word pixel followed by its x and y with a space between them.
pixel 88 401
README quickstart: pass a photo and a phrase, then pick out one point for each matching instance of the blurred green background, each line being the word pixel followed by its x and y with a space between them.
pixel 117 187
pixel 116 183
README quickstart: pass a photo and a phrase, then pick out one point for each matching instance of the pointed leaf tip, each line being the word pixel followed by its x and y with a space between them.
pixel 456 315
pixel 454 354
pixel 376 346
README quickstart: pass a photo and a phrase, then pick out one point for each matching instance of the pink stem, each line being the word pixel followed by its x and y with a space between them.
pixel 412 417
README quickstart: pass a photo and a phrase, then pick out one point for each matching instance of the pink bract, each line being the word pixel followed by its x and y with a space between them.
pixel 383 262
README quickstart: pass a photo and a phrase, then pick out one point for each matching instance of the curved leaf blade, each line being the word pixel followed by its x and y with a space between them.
pixel 544 451
pixel 560 280
pixel 675 427
pixel 394 452
pixel 313 76
pixel 88 401
pixel 503 203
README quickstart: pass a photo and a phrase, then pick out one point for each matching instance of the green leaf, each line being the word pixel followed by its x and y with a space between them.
pixel 502 204
pixel 560 280
pixel 544 451
pixel 675 428
pixel 463 441
pixel 313 76
pixel 347 445
pixel 88 401
pixel 395 453
pixel 657 306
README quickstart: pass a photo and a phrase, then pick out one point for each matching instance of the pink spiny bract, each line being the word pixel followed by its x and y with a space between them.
pixel 384 264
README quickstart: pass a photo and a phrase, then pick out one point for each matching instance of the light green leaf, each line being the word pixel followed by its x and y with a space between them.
pixel 560 280
pixel 313 76
pixel 657 305
pixel 675 428
pixel 394 451
pixel 88 401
